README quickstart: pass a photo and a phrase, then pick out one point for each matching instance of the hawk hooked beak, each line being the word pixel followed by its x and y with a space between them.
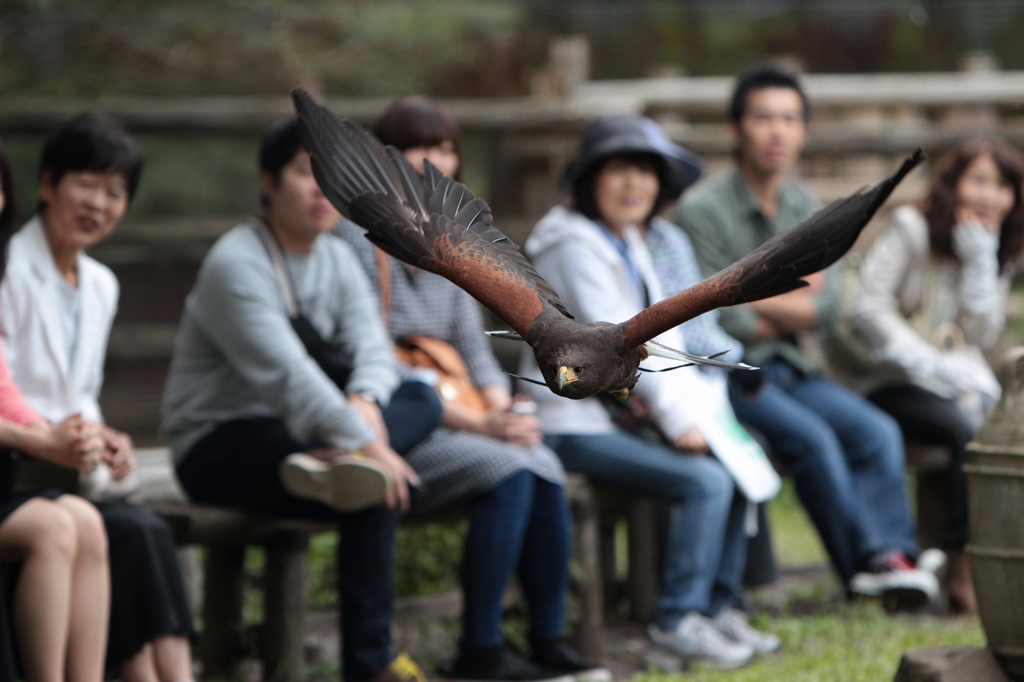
pixel 566 376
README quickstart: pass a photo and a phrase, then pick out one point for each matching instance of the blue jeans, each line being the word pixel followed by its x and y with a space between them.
pixel 237 466
pixel 706 542
pixel 519 526
pixel 845 456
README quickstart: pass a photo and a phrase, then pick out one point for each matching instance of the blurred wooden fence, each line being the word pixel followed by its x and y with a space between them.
pixel 201 169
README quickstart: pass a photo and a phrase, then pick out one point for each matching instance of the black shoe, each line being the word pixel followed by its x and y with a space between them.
pixel 556 654
pixel 498 664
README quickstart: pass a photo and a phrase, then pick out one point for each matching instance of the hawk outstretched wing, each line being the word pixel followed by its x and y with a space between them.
pixel 436 223
pixel 430 221
pixel 777 265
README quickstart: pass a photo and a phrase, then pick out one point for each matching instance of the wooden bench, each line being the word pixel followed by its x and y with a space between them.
pixel 638 591
pixel 278 641
pixel 929 463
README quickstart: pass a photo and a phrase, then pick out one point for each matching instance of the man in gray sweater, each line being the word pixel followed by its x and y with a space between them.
pixel 283 395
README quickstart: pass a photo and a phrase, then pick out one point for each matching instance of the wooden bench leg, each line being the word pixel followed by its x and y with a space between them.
pixel 588 633
pixel 606 551
pixel 642 586
pixel 192 575
pixel 220 646
pixel 284 590
pixel 931 507
pixel 931 464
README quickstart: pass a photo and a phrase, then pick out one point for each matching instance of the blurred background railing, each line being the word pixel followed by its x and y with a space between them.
pixel 198 82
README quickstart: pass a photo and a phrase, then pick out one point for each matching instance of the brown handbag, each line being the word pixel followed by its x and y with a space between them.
pixel 426 352
pixel 453 382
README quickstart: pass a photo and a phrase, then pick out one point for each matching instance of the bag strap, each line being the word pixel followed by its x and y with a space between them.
pixel 384 272
pixel 444 355
pixel 276 254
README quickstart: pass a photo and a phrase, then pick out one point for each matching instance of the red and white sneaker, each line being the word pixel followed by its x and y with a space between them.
pixel 895 577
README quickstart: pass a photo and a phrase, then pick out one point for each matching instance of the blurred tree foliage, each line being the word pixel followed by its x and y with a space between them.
pixel 639 38
pixel 452 48
pixel 365 47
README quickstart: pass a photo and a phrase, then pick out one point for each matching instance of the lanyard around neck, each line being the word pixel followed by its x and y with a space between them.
pixel 622 247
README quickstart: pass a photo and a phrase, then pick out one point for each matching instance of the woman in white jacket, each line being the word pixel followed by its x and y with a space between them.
pixel 595 258
pixel 946 264
pixel 56 308
pixel 60 593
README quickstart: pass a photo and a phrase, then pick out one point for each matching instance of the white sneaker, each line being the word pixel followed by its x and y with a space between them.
pixel 913 580
pixel 894 575
pixel 934 561
pixel 346 483
pixel 697 639
pixel 733 624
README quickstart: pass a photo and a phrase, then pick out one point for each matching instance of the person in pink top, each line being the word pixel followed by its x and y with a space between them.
pixel 61 596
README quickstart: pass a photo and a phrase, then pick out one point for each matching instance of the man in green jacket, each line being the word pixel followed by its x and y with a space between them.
pixel 845 455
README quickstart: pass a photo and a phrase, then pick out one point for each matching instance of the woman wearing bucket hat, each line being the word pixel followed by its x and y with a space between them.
pixel 593 254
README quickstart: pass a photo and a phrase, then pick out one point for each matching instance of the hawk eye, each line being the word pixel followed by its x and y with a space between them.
pixel 577 370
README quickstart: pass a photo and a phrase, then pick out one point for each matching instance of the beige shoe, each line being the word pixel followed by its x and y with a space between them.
pixel 346 483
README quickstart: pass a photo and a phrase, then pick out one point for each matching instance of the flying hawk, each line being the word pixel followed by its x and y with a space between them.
pixel 435 223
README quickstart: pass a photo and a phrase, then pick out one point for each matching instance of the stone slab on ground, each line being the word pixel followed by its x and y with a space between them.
pixel 950 664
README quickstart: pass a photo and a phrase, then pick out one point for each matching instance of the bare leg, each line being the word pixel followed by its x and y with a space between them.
pixel 140 667
pixel 173 654
pixel 41 535
pixel 90 594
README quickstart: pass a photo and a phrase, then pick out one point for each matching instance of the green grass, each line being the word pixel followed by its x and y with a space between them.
pixel 793 537
pixel 823 637
pixel 855 643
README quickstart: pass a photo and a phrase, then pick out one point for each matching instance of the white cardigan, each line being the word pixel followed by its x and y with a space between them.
pixel 878 341
pixel 33 336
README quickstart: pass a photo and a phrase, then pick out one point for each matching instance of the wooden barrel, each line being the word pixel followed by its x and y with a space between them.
pixel 995 488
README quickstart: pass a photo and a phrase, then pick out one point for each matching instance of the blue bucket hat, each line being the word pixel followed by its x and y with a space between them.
pixel 620 134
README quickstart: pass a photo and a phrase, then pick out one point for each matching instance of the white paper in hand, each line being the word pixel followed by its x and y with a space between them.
pixel 735 448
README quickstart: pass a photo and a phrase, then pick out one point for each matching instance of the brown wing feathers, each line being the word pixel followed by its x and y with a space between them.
pixel 814 244
pixel 429 220
pixel 777 265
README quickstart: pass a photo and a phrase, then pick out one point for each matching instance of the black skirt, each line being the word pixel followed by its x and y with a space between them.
pixel 147 595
